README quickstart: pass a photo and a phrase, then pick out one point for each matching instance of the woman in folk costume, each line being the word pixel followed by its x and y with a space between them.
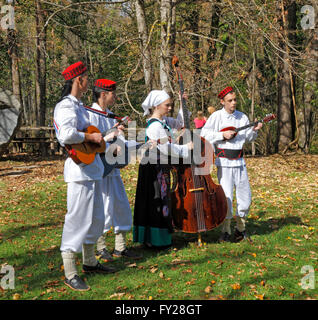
pixel 85 217
pixel 116 205
pixel 152 217
pixel 232 172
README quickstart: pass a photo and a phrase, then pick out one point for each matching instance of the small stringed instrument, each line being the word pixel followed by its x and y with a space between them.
pixel 268 118
pixel 85 152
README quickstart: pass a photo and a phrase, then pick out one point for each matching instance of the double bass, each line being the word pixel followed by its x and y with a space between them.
pixel 197 203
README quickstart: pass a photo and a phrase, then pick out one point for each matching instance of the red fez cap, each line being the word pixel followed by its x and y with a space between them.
pixel 74 70
pixel 105 84
pixel 224 92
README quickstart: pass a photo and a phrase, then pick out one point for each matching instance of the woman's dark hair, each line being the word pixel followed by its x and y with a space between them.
pixel 96 93
pixel 66 89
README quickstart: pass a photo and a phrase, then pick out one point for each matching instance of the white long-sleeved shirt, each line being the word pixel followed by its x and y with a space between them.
pixel 156 131
pixel 221 119
pixel 70 118
pixel 104 124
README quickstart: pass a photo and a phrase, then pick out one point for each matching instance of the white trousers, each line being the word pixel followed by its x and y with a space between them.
pixel 236 177
pixel 85 218
pixel 116 205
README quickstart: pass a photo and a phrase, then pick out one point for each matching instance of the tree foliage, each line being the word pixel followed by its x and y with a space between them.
pixel 258 47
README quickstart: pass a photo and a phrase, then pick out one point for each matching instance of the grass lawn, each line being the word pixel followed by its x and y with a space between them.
pixel 280 263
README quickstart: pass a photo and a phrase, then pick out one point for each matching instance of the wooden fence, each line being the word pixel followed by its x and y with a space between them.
pixel 43 140
pixel 33 139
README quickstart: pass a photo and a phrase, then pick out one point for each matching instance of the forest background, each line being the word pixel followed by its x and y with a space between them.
pixel 266 50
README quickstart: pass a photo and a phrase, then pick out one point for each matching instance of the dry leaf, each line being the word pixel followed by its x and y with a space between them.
pixel 153 270
pixel 236 286
pixel 118 294
pixel 208 289
pixel 16 296
pixel 132 265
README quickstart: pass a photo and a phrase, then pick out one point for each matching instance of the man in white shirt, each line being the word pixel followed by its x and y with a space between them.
pixel 84 220
pixel 229 160
pixel 116 205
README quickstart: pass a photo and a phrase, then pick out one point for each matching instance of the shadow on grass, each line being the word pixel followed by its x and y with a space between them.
pixel 259 227
pixel 38 270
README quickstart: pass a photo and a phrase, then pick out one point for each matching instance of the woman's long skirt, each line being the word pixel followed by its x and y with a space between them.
pixel 152 216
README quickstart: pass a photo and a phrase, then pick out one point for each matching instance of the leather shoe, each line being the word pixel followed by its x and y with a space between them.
pixel 126 253
pixel 239 236
pixel 77 284
pixel 225 237
pixel 99 268
pixel 104 255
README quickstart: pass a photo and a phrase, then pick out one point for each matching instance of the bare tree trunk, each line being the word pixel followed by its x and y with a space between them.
pixel 194 18
pixel 40 71
pixel 165 58
pixel 306 115
pixel 285 112
pixel 211 53
pixel 13 53
pixel 40 80
pixel 214 29
pixel 252 111
pixel 144 47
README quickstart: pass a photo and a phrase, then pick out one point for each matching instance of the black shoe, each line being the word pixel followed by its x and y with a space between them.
pixel 99 268
pixel 77 284
pixel 239 236
pixel 104 255
pixel 225 237
pixel 126 253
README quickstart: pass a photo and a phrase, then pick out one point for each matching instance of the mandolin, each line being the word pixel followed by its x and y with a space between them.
pixel 268 118
pixel 84 153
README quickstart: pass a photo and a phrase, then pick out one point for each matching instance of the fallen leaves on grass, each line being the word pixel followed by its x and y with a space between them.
pixel 236 286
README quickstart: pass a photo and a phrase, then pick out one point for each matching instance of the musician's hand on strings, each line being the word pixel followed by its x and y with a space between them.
pixel 258 126
pixel 227 135
pixel 111 136
pixel 121 129
pixel 95 137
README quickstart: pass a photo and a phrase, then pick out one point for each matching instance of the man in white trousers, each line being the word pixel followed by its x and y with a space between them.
pixel 231 167
pixel 84 220
pixel 116 205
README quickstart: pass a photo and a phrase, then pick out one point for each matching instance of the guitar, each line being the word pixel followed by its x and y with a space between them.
pixel 84 153
pixel 268 118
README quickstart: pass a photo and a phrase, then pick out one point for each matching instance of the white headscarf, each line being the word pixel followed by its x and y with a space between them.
pixel 154 98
